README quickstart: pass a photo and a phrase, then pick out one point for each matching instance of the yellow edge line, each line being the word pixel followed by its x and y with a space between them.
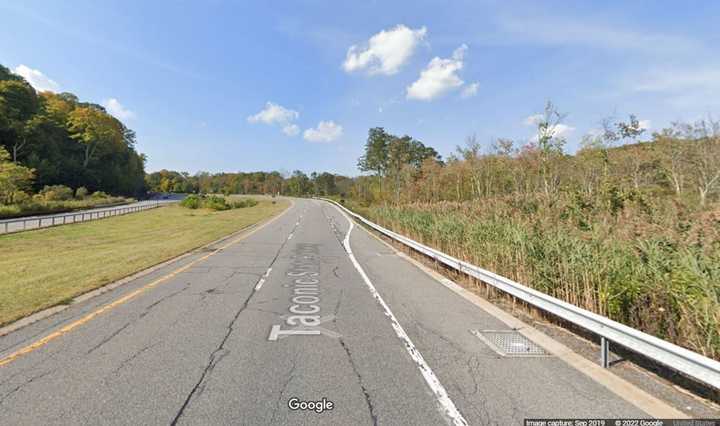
pixel 66 329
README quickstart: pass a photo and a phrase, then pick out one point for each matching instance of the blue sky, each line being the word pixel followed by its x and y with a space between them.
pixel 195 79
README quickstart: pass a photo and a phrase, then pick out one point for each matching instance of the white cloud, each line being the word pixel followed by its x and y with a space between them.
pixel 533 120
pixel 386 51
pixel 37 79
pixel 439 77
pixel 561 130
pixel 291 129
pixel 557 131
pixel 326 131
pixel 470 90
pixel 118 110
pixel 645 124
pixel 275 114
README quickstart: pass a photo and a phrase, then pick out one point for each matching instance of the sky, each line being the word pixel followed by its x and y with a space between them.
pixel 295 85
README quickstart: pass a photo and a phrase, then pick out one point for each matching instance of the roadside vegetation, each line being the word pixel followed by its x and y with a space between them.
pixel 216 202
pixel 57 199
pixel 60 140
pixel 627 227
pixel 59 154
pixel 46 267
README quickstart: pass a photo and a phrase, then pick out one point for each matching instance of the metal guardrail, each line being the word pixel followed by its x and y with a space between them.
pixel 691 364
pixel 76 217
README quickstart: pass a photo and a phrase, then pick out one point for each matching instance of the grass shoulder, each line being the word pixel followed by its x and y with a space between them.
pixel 43 268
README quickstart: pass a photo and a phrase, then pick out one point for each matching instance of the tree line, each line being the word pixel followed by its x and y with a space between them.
pixel 296 184
pixel 60 140
pixel 617 163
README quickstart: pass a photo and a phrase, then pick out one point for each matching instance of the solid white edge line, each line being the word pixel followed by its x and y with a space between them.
pixel 646 402
pixel 446 404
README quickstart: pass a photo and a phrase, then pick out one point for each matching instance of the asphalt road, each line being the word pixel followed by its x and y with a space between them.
pixel 44 221
pixel 284 313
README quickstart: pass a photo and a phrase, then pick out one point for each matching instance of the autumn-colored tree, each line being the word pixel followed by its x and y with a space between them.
pixel 14 178
pixel 95 129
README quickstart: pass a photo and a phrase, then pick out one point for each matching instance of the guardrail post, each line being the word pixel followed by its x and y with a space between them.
pixel 6 227
pixel 604 352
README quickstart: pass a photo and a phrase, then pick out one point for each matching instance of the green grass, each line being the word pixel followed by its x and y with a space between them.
pixel 43 268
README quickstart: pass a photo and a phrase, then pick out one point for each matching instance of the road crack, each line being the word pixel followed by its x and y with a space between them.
pixel 22 385
pixel 366 393
pixel 162 299
pixel 220 352
pixel 291 376
pixel 109 338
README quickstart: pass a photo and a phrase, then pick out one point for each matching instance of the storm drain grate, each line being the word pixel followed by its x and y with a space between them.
pixel 510 343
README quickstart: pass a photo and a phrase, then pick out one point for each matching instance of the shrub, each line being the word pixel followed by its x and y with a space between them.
pixel 57 193
pixel 99 194
pixel 191 202
pixel 20 197
pixel 246 202
pixel 215 202
pixel 81 193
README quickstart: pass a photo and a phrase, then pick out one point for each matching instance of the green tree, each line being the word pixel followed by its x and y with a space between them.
pixel 94 129
pixel 14 178
pixel 18 105
pixel 375 158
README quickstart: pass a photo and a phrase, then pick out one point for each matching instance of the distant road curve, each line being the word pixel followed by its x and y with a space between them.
pixel 43 221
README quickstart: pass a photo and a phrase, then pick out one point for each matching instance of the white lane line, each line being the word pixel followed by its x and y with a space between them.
pixel 447 406
pixel 290 236
pixel 260 282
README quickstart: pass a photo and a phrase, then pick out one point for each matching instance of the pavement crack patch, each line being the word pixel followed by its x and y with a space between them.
pixel 108 338
pixel 162 299
pixel 22 385
pixel 366 394
pixel 220 352
pixel 133 356
pixel 291 376
pixel 215 357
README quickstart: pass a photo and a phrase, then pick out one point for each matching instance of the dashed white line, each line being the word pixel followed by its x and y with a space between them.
pixel 262 279
pixel 290 236
pixel 447 406
pixel 260 284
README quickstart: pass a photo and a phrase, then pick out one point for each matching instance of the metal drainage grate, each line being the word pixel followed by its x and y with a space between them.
pixel 510 343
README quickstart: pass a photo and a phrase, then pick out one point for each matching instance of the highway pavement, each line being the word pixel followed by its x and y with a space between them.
pixel 258 328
